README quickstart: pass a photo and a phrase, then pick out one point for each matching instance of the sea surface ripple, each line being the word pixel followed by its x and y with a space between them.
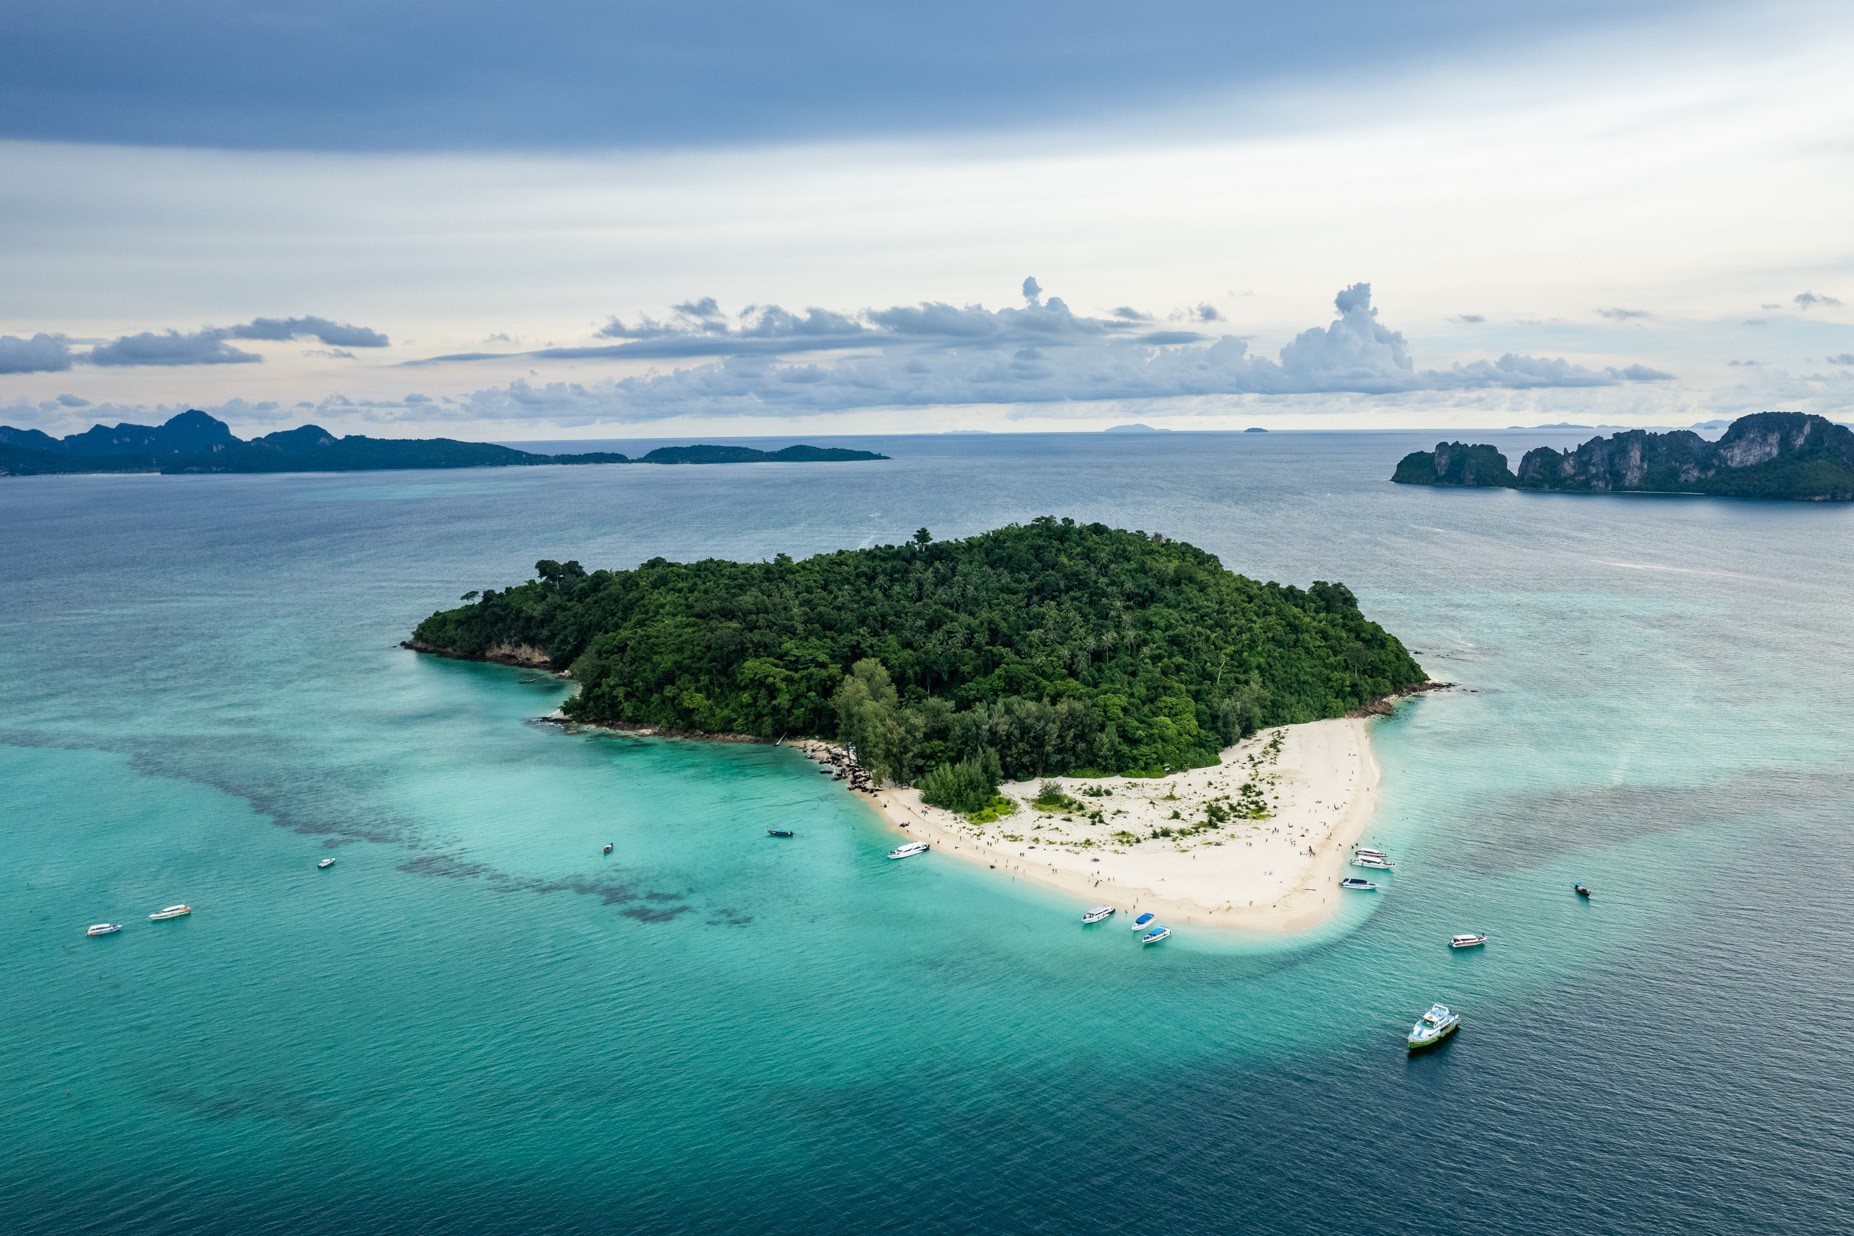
pixel 475 1022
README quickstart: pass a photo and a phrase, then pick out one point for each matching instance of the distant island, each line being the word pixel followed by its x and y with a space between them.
pixel 1136 427
pixel 196 442
pixel 1786 455
pixel 1046 648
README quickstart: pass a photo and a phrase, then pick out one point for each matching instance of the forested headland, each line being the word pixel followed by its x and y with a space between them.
pixel 1047 648
pixel 196 442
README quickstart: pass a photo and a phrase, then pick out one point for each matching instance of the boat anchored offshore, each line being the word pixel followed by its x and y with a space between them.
pixel 1154 936
pixel 180 911
pixel 1468 939
pixel 1358 885
pixel 1437 1024
pixel 607 849
pixel 909 850
pixel 1580 890
pixel 1096 914
pixel 104 929
pixel 325 864
pixel 778 832
pixel 1144 921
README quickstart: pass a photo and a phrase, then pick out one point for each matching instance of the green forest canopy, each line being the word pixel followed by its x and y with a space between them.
pixel 1047 648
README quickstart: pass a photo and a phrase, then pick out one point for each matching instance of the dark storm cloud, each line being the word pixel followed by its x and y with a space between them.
pixel 200 347
pixel 410 74
pixel 42 353
pixel 334 334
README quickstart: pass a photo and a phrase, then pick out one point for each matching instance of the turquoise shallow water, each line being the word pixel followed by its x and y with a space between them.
pixel 476 1022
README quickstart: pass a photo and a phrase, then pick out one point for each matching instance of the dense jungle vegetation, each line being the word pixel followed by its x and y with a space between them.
pixel 1046 648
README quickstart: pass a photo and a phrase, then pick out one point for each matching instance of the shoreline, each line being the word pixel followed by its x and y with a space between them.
pixel 1257 842
pixel 1320 784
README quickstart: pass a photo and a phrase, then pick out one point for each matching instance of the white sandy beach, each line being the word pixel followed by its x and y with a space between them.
pixel 1317 782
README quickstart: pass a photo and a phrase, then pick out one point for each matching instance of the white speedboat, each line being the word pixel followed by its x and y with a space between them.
pixel 1357 885
pixel 180 911
pixel 325 864
pixel 1360 851
pixel 1144 921
pixel 104 929
pixel 1154 936
pixel 1437 1024
pixel 1097 914
pixel 1371 860
pixel 909 850
pixel 1468 939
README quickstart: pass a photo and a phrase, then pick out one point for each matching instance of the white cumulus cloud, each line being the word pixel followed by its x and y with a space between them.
pixel 936 354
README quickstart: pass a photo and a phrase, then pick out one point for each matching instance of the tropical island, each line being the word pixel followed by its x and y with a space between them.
pixel 1785 455
pixel 1028 653
pixel 196 442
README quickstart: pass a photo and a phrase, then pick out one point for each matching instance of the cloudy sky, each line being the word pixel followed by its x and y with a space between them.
pixel 574 219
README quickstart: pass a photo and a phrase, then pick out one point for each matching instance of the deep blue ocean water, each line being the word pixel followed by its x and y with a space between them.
pixel 474 1022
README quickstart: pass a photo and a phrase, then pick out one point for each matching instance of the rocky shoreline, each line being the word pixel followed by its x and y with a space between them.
pixel 1386 706
pixel 836 760
pixel 643 729
pixel 839 763
pixel 521 656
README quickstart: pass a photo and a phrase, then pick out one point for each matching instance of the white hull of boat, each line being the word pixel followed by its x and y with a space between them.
pixel 1437 1024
